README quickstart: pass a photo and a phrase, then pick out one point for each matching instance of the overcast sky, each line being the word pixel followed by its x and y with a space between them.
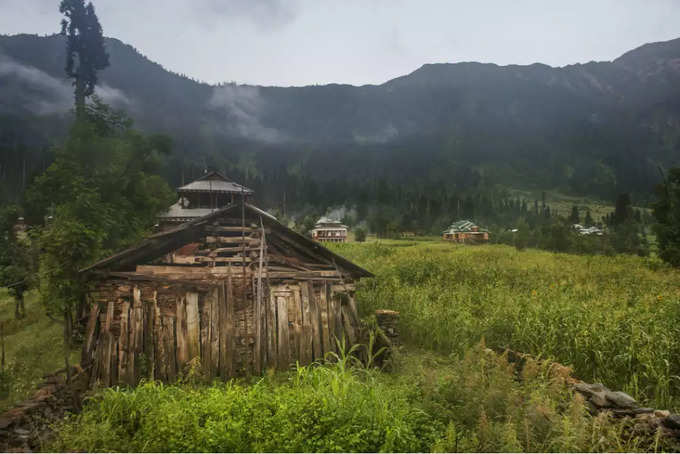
pixel 302 42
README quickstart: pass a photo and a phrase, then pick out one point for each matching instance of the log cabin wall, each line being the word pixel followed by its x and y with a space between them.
pixel 154 328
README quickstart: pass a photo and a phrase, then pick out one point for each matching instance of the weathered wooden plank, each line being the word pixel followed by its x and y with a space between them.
pixel 235 259
pixel 181 334
pixel 90 329
pixel 221 250
pixel 219 228
pixel 296 301
pixel 114 360
pixel 160 371
pixel 323 310
pixel 204 331
pixel 169 347
pixel 230 240
pixel 150 336
pixel 331 317
pixel 214 360
pixel 315 322
pixel 306 349
pixel 123 342
pixel 257 316
pixel 230 327
pixel 226 329
pixel 271 329
pixel 108 345
pixel 336 303
pixel 283 350
pixel 350 332
pixel 136 334
pixel 192 326
pixel 352 310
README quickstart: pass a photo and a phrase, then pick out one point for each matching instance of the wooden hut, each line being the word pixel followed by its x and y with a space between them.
pixel 235 290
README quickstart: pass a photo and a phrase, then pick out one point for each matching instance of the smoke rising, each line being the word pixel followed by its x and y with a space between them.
pixel 243 107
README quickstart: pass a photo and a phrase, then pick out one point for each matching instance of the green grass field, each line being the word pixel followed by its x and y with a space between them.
pixel 33 348
pixel 614 320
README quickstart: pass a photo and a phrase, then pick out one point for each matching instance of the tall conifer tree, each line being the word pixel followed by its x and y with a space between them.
pixel 85 53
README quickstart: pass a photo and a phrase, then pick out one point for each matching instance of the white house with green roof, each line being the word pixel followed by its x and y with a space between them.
pixel 465 231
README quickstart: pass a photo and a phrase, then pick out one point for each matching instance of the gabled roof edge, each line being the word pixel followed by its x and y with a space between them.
pixel 157 241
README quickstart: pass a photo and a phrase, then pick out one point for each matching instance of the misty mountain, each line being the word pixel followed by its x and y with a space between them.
pixel 587 128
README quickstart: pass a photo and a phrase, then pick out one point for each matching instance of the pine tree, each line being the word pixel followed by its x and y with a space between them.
pixel 623 210
pixel 574 217
pixel 667 214
pixel 85 53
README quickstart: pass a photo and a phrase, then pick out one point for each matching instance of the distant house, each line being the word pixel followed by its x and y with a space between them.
pixel 592 230
pixel 329 230
pixel 466 232
pixel 201 197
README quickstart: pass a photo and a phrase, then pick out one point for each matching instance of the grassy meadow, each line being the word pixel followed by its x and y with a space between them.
pixel 33 347
pixel 615 320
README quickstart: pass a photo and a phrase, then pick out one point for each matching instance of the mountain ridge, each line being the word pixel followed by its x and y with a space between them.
pixel 540 122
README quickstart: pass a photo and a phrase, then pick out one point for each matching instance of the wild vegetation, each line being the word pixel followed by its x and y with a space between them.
pixel 614 319
pixel 429 402
pixel 33 347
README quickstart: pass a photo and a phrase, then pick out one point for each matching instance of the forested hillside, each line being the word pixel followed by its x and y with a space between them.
pixel 594 129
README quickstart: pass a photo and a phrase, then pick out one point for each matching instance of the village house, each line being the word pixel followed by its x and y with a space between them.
pixel 592 230
pixel 245 294
pixel 201 197
pixel 466 232
pixel 329 230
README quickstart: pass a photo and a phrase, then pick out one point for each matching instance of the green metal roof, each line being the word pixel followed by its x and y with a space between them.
pixel 463 226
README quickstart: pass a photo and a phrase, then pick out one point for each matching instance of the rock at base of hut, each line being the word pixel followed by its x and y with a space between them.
pixel 672 422
pixel 620 399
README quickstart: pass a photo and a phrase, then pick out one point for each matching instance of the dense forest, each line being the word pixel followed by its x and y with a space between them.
pixel 595 129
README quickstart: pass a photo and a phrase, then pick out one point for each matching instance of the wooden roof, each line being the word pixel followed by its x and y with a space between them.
pixel 170 240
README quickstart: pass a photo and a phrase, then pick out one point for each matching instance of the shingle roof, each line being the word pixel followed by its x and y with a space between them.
pixel 214 182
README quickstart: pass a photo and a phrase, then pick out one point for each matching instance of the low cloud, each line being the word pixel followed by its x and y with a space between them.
pixel 47 95
pixel 243 107
pixel 380 136
pixel 265 14
pixel 113 96
pixel 43 94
